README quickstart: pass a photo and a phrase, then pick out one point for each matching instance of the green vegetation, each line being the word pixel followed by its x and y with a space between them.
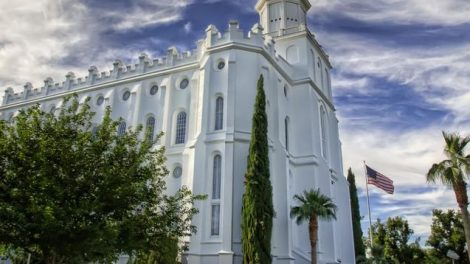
pixel 257 208
pixel 453 172
pixel 446 234
pixel 68 195
pixel 392 244
pixel 313 205
pixel 355 215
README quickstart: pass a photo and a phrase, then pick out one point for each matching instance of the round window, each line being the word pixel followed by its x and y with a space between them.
pixel 177 172
pixel 184 83
pixel 126 95
pixel 153 89
pixel 100 100
pixel 221 65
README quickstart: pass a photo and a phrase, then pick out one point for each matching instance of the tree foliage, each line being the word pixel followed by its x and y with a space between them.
pixel 313 205
pixel 68 195
pixel 355 216
pixel 391 242
pixel 257 208
pixel 453 172
pixel 447 233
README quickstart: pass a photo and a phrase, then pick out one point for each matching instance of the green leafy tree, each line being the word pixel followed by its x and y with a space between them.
pixel 68 195
pixel 392 244
pixel 257 208
pixel 447 233
pixel 167 253
pixel 355 215
pixel 313 206
pixel 453 171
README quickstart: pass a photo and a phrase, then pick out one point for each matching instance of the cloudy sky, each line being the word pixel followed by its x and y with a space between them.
pixel 402 71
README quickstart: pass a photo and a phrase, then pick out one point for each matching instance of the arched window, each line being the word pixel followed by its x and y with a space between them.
pixel 286 127
pixel 219 113
pixel 180 128
pixel 122 128
pixel 150 128
pixel 323 131
pixel 216 177
pixel 216 185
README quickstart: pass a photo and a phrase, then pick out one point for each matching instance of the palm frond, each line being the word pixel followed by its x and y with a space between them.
pixel 313 202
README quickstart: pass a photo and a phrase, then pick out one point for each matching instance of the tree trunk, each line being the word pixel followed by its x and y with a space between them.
pixel 462 200
pixel 313 232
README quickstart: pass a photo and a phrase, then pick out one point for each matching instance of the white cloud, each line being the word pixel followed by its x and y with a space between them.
pixel 147 12
pixel 37 36
pixel 188 27
pixel 434 12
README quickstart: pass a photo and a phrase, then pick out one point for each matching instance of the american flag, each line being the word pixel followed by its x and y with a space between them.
pixel 378 179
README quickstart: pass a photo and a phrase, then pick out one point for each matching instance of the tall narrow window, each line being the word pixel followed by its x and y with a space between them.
pixel 215 217
pixel 216 185
pixel 180 128
pixel 323 131
pixel 150 129
pixel 219 113
pixel 216 177
pixel 286 127
pixel 122 128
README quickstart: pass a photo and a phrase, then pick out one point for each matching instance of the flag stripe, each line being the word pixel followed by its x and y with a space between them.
pixel 379 180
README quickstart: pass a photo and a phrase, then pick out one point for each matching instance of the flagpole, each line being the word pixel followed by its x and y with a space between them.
pixel 368 207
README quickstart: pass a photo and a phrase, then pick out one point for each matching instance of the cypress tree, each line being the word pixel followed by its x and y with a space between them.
pixel 355 215
pixel 257 208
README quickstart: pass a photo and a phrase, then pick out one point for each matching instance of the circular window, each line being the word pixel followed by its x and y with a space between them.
pixel 221 65
pixel 177 172
pixel 100 100
pixel 126 95
pixel 184 83
pixel 153 89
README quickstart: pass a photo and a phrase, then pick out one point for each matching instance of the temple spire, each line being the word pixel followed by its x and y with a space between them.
pixel 282 17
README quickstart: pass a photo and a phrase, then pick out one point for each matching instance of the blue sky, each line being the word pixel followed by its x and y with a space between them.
pixel 402 71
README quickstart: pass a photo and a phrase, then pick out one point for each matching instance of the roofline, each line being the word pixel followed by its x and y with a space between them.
pixel 259 5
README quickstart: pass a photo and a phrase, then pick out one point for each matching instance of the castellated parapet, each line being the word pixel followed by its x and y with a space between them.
pixel 173 59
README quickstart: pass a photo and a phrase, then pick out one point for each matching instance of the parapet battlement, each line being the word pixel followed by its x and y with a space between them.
pixel 173 59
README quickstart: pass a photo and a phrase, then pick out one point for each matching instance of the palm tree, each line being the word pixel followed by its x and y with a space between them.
pixel 313 205
pixel 452 172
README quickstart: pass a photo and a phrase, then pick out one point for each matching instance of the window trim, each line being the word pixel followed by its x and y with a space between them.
pixel 180 127
pixel 286 132
pixel 219 113
pixel 122 128
pixel 216 195
pixel 151 126
pixel 126 98
pixel 323 132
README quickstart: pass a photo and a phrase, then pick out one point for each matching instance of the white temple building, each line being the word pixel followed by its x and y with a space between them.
pixel 203 100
